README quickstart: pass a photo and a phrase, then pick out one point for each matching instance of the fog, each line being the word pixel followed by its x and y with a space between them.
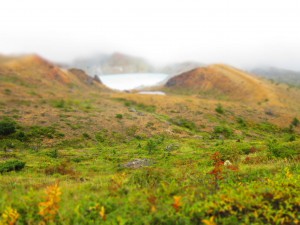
pixel 240 33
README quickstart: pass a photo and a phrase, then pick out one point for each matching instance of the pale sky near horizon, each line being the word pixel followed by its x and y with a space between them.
pixel 238 32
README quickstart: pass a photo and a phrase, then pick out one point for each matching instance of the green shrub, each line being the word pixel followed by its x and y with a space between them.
pixel 60 104
pixel 53 153
pixel 12 165
pixel 224 130
pixel 7 127
pixel 268 127
pixel 21 136
pixel 119 116
pixel 241 122
pixel 283 150
pixel 44 132
pixel 86 136
pixel 101 136
pixel 219 109
pixel 139 106
pixel 153 143
pixel 7 91
pixel 230 152
pixel 10 143
pixel 295 122
pixel 182 122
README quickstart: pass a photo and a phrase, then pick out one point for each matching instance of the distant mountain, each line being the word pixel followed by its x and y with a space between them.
pixel 278 75
pixel 178 68
pixel 118 63
pixel 113 64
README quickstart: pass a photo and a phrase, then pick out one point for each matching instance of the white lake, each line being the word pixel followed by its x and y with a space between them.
pixel 152 93
pixel 132 80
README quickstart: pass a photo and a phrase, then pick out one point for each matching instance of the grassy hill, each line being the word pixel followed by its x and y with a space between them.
pixel 74 152
pixel 222 81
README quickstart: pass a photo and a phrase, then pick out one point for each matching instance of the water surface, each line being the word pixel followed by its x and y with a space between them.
pixel 152 93
pixel 132 80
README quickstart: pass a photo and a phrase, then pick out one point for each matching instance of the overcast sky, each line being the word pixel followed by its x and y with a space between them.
pixel 238 32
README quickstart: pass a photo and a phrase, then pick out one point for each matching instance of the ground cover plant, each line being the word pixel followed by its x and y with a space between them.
pixel 199 181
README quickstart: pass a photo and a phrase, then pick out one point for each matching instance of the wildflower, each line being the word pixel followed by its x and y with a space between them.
pixel 102 213
pixel 288 173
pixel 9 217
pixel 49 208
pixel 210 221
pixel 152 200
pixel 177 203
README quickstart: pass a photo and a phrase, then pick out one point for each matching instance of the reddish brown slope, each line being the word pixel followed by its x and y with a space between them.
pixel 222 81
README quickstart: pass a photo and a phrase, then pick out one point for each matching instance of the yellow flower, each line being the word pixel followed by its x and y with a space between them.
pixel 102 213
pixel 288 174
pixel 9 217
pixel 49 208
pixel 210 221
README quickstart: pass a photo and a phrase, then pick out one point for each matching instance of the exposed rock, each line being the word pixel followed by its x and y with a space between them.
pixel 198 137
pixel 131 109
pixel 83 77
pixel 227 163
pixel 138 163
pixel 140 114
pixel 9 150
pixel 97 79
pixel 221 137
pixel 171 147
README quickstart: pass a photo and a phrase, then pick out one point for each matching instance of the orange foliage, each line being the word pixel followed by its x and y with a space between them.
pixel 177 203
pixel 49 208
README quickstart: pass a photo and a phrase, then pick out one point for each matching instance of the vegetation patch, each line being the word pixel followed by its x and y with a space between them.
pixel 183 122
pixel 224 130
pixel 11 165
pixel 138 106
pixel 7 127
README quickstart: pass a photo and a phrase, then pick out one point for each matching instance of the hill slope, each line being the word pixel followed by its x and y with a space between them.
pixel 222 81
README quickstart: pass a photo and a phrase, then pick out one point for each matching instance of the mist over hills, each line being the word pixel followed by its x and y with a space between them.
pixel 119 63
pixel 278 74
pixel 116 63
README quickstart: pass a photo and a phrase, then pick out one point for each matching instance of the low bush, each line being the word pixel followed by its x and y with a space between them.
pixel 219 109
pixel 223 130
pixel 44 132
pixel 241 122
pixel 7 127
pixel 119 116
pixel 267 127
pixel 182 122
pixel 230 152
pixel 295 122
pixel 11 165
pixel 153 143
pixel 283 150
